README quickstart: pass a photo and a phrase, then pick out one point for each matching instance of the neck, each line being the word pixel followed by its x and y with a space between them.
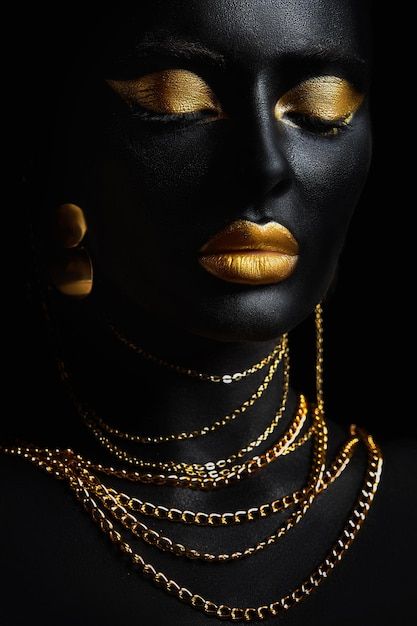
pixel 134 394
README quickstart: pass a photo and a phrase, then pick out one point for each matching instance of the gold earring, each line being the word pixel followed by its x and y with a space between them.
pixel 72 269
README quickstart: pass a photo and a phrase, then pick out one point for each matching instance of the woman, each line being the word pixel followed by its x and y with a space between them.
pixel 207 160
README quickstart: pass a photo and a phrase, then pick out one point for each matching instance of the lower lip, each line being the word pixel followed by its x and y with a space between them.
pixel 250 267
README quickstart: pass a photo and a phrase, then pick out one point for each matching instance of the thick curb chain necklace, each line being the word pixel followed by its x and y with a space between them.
pixel 61 465
pixel 115 512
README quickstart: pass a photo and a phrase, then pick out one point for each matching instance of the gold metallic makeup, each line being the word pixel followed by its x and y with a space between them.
pixel 251 254
pixel 329 98
pixel 171 91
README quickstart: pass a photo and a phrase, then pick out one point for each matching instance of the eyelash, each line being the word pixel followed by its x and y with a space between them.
pixel 137 112
pixel 312 124
pixel 317 125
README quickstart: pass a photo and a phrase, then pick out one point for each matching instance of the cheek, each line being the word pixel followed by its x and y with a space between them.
pixel 175 166
pixel 329 175
pixel 162 181
pixel 155 188
pixel 163 190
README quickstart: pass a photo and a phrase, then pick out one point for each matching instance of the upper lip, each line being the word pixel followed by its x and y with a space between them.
pixel 243 235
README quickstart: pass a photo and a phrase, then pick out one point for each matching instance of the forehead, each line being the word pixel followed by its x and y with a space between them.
pixel 252 28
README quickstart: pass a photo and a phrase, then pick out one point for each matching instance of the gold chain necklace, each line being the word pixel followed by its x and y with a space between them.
pixel 241 516
pixel 98 423
pixel 98 427
pixel 203 470
pixel 110 499
pixel 210 476
pixel 58 464
pixel 48 457
pixel 186 371
pixel 253 465
pixel 77 471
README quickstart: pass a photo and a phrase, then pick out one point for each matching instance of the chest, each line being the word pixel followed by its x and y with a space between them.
pixel 63 567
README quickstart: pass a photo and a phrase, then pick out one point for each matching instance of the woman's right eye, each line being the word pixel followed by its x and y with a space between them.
pixel 172 93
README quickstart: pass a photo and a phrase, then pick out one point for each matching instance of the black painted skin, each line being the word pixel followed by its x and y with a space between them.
pixel 176 184
pixel 154 192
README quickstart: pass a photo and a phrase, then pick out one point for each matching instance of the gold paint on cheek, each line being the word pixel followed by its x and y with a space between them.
pixel 329 98
pixel 173 91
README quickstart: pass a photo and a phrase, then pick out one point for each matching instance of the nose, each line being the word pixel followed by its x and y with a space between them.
pixel 264 166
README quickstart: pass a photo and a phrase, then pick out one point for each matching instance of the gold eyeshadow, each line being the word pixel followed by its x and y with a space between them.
pixel 171 91
pixel 328 98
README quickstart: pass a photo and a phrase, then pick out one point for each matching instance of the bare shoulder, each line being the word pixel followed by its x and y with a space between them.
pixel 13 467
pixel 395 502
pixel 400 465
pixel 23 484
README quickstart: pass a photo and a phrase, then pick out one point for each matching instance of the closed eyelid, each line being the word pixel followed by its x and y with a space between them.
pixel 173 91
pixel 329 98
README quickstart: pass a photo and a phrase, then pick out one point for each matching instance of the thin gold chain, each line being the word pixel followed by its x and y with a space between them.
pixel 319 356
pixel 216 482
pixel 222 467
pixel 97 424
pixel 122 506
pixel 51 458
pixel 206 484
pixel 61 467
pixel 241 516
pixel 197 469
pixel 186 371
pixel 94 495
pixel 91 418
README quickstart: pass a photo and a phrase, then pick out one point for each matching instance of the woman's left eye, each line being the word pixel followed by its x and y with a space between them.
pixel 318 125
pixel 169 94
pixel 323 105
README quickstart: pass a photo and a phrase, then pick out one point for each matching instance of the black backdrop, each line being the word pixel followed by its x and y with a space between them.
pixel 369 317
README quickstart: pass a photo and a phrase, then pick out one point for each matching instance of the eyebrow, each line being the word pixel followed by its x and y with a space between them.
pixel 336 56
pixel 153 44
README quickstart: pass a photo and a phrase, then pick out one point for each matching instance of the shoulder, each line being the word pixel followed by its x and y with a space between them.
pixel 400 468
pixel 398 483
pixel 401 448
pixel 394 517
pixel 13 468
pixel 24 486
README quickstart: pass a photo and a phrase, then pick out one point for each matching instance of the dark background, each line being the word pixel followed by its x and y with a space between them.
pixel 369 316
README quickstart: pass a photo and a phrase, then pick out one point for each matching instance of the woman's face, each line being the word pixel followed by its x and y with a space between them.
pixel 203 114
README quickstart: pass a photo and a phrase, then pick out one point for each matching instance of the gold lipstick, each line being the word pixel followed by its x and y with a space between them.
pixel 251 254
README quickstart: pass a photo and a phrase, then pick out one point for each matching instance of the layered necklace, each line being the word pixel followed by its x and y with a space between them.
pixel 122 517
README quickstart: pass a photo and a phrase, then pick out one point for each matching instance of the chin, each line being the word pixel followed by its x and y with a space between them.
pixel 251 314
pixel 223 311
pixel 237 312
